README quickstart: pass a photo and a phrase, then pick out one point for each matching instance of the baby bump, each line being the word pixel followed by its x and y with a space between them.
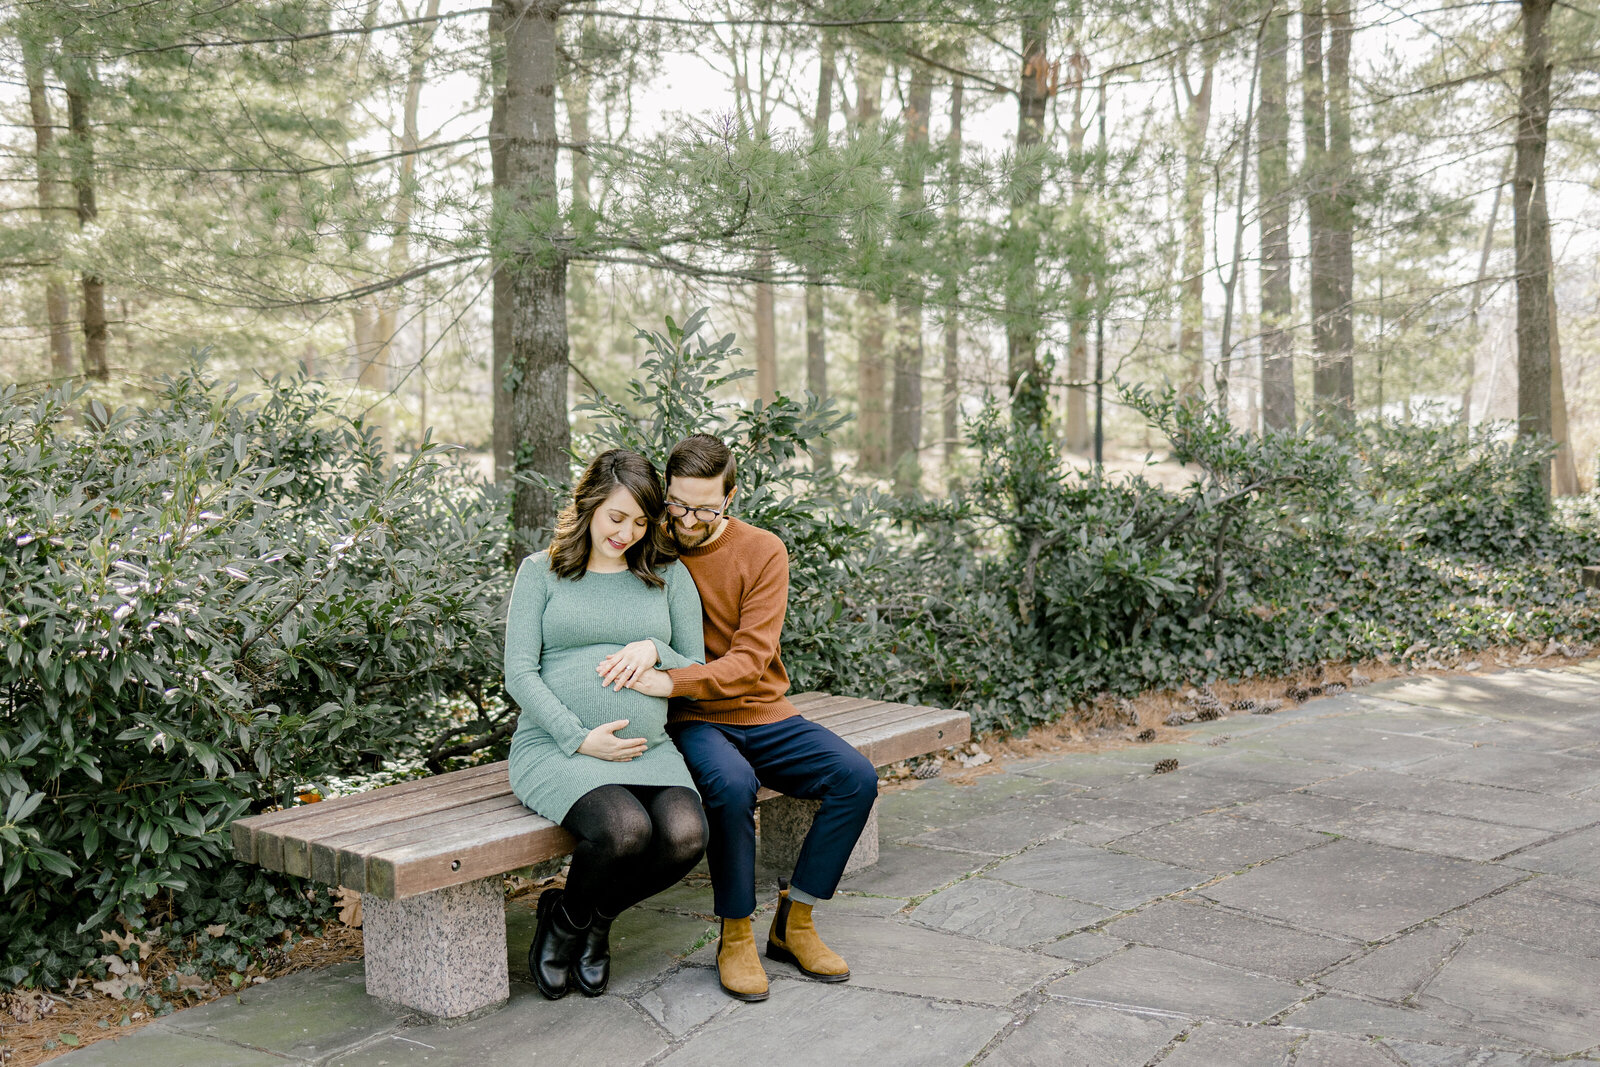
pixel 595 704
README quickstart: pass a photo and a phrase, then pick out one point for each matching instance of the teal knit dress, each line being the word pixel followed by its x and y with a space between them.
pixel 557 631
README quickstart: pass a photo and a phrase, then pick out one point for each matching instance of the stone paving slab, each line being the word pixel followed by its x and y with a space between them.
pixel 1508 807
pixel 1534 996
pixel 1341 1014
pixel 1576 855
pixel 1096 876
pixel 1357 889
pixel 1218 842
pixel 576 1030
pixel 1344 741
pixel 1081 1035
pixel 1005 914
pixel 304 1016
pixel 1227 937
pixel 1153 978
pixel 792 1029
pixel 1076 909
pixel 1547 913
pixel 1399 968
pixel 1540 772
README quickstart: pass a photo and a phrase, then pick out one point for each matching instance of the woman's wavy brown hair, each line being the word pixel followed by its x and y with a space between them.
pixel 569 548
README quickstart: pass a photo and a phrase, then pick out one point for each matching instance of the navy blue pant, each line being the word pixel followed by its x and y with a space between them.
pixel 796 757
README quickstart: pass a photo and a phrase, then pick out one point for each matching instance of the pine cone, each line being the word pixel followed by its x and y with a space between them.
pixel 1265 707
pixel 1168 764
pixel 1146 735
pixel 1299 693
pixel 1209 714
pixel 1179 718
pixel 929 769
pixel 1245 704
pixel 1333 689
pixel 1357 679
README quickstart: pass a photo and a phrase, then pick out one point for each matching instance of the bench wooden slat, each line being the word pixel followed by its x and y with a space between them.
pixel 334 859
pixel 870 718
pixel 255 838
pixel 451 859
pixel 824 711
pixel 294 842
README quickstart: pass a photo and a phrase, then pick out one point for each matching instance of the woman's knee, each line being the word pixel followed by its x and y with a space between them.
pixel 626 833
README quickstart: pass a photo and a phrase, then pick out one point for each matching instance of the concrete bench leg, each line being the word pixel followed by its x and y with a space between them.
pixel 784 823
pixel 442 953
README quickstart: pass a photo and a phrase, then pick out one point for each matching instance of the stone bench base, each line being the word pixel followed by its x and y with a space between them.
pixel 441 953
pixel 784 823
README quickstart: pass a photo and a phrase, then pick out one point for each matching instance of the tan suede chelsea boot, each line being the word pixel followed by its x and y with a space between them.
pixel 738 965
pixel 793 939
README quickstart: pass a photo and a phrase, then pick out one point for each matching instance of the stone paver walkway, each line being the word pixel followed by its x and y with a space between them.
pixel 1404 875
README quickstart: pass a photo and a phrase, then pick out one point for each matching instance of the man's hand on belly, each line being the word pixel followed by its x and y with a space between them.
pixel 652 683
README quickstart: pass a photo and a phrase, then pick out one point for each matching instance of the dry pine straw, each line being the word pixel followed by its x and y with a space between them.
pixel 30 1020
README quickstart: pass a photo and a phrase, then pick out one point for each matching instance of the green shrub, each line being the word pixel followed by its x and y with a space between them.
pixel 204 606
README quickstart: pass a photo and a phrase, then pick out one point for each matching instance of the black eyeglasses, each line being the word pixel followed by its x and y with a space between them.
pixel 703 514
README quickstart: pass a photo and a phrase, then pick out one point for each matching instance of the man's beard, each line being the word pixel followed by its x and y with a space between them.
pixel 692 538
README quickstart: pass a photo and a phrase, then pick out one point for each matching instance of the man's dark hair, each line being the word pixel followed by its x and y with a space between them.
pixel 702 456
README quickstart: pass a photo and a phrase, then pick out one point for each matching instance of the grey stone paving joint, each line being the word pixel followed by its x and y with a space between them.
pixel 1405 876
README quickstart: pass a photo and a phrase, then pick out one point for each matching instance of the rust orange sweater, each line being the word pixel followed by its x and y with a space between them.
pixel 743 578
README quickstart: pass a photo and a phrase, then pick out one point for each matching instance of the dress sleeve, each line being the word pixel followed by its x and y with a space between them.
pixel 524 647
pixel 686 644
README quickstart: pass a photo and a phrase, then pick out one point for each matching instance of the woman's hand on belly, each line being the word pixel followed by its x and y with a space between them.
pixel 603 743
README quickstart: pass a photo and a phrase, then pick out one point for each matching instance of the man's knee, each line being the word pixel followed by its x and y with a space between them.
pixel 728 786
pixel 857 781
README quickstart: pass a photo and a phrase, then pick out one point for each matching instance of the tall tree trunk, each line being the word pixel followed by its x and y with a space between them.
pixel 1025 378
pixel 538 365
pixel 1532 223
pixel 1079 437
pixel 950 401
pixel 58 310
pixel 1341 208
pixel 816 325
pixel 95 334
pixel 378 372
pixel 576 92
pixel 1325 375
pixel 500 322
pixel 1564 477
pixel 871 423
pixel 905 427
pixel 1477 293
pixel 1277 302
pixel 766 332
pixel 1191 316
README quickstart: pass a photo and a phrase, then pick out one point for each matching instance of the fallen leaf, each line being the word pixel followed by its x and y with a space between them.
pixel 125 940
pixel 186 982
pixel 349 902
pixel 217 930
pixel 120 988
pixel 115 964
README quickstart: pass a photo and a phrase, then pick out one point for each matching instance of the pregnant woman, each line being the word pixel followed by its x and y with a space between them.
pixel 589 752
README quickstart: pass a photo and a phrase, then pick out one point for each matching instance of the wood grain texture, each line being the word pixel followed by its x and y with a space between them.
pixel 430 833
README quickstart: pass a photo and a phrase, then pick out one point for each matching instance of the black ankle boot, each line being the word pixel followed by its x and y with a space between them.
pixel 592 970
pixel 555 945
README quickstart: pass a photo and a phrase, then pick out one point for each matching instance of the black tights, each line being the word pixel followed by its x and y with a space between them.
pixel 633 842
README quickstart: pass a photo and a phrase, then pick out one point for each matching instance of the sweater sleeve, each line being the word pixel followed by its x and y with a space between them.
pixel 686 644
pixel 524 647
pixel 754 644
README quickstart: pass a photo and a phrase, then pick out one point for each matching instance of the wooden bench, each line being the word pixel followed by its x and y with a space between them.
pixel 427 855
